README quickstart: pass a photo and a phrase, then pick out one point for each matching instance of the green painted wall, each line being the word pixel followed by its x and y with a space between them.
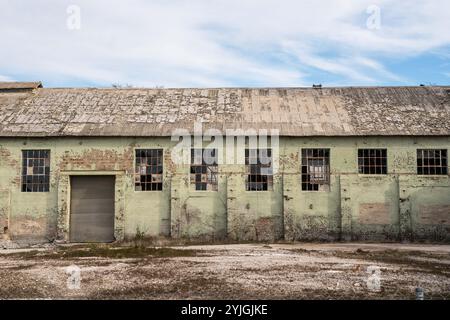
pixel 400 205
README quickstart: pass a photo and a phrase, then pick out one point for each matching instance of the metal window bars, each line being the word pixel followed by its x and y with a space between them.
pixel 372 161
pixel 315 170
pixel 35 170
pixel 432 162
pixel 204 169
pixel 259 171
pixel 149 170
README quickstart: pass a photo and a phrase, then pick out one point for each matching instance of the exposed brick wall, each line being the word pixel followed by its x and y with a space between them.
pixel 8 160
pixel 98 159
pixel 374 213
pixel 434 215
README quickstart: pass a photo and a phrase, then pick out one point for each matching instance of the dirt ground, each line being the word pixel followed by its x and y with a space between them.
pixel 243 271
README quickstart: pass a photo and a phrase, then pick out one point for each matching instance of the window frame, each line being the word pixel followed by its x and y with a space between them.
pixel 25 167
pixel 328 173
pixel 446 167
pixel 135 168
pixel 270 182
pixel 372 174
pixel 193 186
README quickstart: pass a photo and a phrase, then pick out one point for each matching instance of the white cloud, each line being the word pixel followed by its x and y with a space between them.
pixel 215 43
pixel 5 78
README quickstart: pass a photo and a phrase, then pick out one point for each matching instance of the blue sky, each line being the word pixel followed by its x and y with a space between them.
pixel 229 43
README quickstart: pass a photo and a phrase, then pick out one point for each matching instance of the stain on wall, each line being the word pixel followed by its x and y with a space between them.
pixel 4 214
pixel 392 207
pixel 434 214
pixel 374 213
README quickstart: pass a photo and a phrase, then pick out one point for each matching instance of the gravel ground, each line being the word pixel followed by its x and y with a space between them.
pixel 243 271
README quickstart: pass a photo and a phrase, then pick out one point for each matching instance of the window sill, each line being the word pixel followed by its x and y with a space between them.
pixel 433 175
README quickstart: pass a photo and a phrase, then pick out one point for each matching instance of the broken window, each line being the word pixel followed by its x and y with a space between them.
pixel 204 169
pixel 149 170
pixel 259 173
pixel 316 169
pixel 35 170
pixel 432 162
pixel 372 161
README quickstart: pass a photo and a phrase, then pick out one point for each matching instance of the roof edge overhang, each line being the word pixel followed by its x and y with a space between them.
pixel 20 86
pixel 240 88
pixel 46 136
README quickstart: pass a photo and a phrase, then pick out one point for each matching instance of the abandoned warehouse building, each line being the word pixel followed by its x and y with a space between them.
pixel 97 165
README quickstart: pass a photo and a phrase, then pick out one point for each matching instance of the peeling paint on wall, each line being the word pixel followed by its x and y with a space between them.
pixel 398 206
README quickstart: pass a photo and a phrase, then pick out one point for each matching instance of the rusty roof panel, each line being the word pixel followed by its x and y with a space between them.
pixel 293 111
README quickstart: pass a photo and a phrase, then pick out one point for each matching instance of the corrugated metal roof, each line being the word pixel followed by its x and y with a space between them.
pixel 293 111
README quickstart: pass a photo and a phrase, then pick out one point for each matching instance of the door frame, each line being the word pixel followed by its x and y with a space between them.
pixel 71 196
pixel 64 195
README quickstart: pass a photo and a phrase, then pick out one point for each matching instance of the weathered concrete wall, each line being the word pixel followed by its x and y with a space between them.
pixel 254 215
pixel 425 206
pixel 397 206
pixel 4 214
pixel 198 214
pixel 371 207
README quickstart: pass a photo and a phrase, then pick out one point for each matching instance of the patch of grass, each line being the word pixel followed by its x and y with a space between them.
pixel 20 267
pixel 20 285
pixel 105 251
pixel 139 238
pixel 191 287
pixel 302 251
pixel 400 257
pixel 350 294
